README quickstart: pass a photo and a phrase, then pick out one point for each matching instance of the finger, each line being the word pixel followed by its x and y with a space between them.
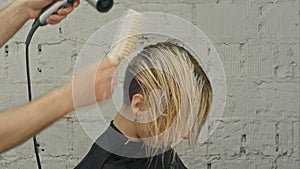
pixel 106 63
pixel 104 90
pixel 65 11
pixel 52 22
pixel 105 83
pixel 76 3
pixel 54 19
pixel 106 74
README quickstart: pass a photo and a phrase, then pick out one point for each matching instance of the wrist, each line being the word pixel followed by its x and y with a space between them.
pixel 22 7
pixel 64 96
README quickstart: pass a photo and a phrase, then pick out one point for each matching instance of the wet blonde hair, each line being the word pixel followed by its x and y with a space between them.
pixel 183 98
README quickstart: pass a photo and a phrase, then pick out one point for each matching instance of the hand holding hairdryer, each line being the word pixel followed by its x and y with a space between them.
pixel 100 5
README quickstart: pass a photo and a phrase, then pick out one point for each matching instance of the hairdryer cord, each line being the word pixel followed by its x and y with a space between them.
pixel 101 6
pixel 27 43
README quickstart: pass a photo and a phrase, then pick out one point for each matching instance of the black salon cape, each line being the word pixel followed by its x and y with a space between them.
pixel 128 153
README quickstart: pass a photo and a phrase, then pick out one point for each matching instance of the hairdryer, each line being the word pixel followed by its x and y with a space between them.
pixel 100 5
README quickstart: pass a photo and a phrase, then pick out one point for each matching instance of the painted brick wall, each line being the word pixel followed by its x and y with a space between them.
pixel 258 42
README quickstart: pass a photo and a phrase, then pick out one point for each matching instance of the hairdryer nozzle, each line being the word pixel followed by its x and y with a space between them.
pixel 102 5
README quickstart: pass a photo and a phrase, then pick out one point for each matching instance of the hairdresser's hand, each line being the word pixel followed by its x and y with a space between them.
pixel 34 7
pixel 94 83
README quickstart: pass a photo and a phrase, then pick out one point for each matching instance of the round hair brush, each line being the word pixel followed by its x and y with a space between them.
pixel 125 41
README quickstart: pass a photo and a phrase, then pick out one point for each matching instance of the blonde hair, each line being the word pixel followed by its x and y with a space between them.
pixel 176 90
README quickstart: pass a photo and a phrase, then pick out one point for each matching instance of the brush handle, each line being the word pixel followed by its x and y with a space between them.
pixel 129 28
pixel 52 9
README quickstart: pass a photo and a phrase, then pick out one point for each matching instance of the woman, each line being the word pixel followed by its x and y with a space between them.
pixel 167 97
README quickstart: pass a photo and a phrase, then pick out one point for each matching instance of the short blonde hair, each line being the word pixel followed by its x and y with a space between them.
pixel 171 69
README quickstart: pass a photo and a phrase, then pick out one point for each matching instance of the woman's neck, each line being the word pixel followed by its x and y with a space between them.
pixel 127 127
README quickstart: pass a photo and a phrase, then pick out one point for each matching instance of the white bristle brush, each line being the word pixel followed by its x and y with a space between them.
pixel 125 41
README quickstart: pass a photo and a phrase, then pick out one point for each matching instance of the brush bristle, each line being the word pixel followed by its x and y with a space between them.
pixel 127 37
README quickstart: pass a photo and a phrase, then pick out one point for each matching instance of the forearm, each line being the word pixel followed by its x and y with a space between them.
pixel 12 18
pixel 18 125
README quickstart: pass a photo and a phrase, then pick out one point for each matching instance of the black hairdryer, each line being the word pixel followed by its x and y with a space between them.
pixel 102 5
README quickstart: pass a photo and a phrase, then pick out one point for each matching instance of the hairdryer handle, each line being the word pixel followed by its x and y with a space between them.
pixel 52 9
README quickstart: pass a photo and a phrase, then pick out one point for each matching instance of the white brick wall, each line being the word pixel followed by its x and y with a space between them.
pixel 258 42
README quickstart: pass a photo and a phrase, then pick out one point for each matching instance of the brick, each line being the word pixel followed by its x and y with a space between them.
pixel 226 22
pixel 296 144
pixel 260 60
pixel 278 93
pixel 237 164
pixel 12 95
pixel 49 163
pixel 261 138
pixel 20 163
pixel 239 93
pixel 56 140
pixel 80 141
pixel 286 164
pixel 280 21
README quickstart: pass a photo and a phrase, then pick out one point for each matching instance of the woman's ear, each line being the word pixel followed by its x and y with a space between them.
pixel 137 102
